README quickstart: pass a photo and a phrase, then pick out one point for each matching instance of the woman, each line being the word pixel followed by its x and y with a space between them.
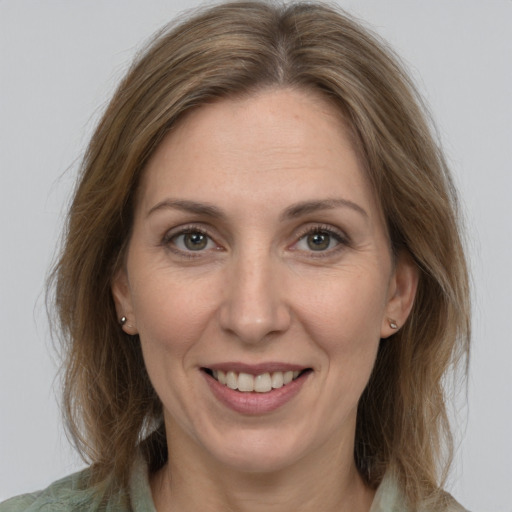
pixel 262 284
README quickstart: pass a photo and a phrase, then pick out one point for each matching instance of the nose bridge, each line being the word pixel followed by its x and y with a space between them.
pixel 254 305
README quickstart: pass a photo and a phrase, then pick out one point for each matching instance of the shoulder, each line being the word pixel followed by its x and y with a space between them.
pixel 390 498
pixel 72 493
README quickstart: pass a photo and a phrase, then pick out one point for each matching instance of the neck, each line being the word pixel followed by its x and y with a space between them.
pixel 326 480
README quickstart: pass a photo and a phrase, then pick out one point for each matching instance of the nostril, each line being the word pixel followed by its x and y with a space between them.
pixel 253 314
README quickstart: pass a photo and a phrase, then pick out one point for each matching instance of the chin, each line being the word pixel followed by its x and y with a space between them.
pixel 259 461
pixel 260 452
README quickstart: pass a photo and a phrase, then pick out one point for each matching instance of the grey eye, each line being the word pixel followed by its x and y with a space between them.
pixel 318 241
pixel 195 241
pixel 191 241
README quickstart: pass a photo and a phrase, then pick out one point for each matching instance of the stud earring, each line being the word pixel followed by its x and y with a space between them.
pixel 393 324
pixel 123 322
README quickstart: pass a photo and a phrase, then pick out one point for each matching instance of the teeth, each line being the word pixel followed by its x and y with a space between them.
pixel 245 382
pixel 262 383
pixel 277 380
pixel 232 380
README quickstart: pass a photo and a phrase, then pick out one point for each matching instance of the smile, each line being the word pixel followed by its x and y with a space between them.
pixel 255 389
pixel 248 383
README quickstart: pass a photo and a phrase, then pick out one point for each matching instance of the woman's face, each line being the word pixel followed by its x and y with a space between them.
pixel 258 255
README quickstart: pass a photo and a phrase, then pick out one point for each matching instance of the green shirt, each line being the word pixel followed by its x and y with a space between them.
pixel 72 493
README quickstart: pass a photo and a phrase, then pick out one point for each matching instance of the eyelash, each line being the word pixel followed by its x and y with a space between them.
pixel 169 238
pixel 341 238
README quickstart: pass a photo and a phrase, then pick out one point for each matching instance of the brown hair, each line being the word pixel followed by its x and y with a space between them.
pixel 237 48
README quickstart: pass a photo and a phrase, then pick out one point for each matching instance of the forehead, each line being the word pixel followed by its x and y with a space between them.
pixel 285 139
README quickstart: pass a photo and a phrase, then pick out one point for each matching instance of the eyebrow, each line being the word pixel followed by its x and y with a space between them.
pixel 184 205
pixel 308 207
pixel 292 212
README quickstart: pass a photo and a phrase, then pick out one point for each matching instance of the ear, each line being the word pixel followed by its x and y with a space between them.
pixel 402 291
pixel 123 301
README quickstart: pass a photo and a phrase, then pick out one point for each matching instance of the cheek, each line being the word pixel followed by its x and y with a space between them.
pixel 171 321
pixel 169 310
pixel 345 312
pixel 344 321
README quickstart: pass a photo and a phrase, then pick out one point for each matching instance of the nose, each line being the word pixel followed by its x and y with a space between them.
pixel 254 308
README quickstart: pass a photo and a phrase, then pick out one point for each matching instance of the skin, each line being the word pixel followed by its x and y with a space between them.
pixel 260 290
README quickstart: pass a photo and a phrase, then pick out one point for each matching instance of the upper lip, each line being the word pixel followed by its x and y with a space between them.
pixel 256 369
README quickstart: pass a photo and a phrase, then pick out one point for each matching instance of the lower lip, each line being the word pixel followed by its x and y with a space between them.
pixel 252 402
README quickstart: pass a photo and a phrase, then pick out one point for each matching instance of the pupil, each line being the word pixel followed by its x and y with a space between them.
pixel 318 241
pixel 195 241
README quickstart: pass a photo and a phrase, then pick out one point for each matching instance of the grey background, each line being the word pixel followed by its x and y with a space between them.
pixel 59 63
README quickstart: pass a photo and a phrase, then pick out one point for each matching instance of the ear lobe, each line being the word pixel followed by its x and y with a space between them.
pixel 123 302
pixel 403 286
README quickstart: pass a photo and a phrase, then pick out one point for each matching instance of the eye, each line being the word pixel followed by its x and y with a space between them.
pixel 320 240
pixel 191 240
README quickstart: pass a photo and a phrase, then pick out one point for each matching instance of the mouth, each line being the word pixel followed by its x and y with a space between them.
pixel 259 383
